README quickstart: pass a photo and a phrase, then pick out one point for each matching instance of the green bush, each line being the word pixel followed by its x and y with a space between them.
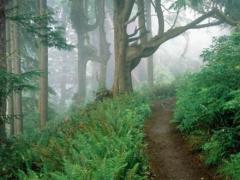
pixel 102 141
pixel 219 145
pixel 208 101
pixel 231 168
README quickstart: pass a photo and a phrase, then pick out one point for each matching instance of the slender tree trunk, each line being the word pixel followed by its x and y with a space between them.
pixel 150 68
pixel 103 76
pixel 122 75
pixel 63 84
pixel 17 95
pixel 43 66
pixel 9 54
pixel 3 67
pixel 82 69
pixel 104 47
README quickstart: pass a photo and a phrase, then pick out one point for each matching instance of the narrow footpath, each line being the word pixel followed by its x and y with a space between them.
pixel 170 156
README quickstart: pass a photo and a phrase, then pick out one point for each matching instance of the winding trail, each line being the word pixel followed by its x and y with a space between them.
pixel 170 157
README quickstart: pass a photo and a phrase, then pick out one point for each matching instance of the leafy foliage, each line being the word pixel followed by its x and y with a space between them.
pixel 231 168
pixel 102 141
pixel 15 82
pixel 229 7
pixel 52 35
pixel 208 101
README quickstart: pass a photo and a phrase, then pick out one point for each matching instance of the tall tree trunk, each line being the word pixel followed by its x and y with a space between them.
pixel 63 82
pixel 122 74
pixel 43 66
pixel 150 68
pixel 9 40
pixel 82 69
pixel 104 46
pixel 3 67
pixel 17 95
pixel 80 21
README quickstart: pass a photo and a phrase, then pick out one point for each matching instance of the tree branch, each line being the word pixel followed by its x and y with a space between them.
pixel 160 16
pixel 207 25
pixel 128 7
pixel 132 19
pixel 134 33
pixel 147 49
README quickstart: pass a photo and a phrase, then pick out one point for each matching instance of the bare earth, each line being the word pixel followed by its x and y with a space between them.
pixel 170 157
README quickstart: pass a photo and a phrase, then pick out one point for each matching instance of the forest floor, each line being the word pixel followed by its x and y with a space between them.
pixel 171 158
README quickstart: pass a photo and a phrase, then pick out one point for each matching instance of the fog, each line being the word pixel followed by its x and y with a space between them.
pixel 172 59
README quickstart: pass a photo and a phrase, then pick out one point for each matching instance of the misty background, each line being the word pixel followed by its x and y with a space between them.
pixel 171 60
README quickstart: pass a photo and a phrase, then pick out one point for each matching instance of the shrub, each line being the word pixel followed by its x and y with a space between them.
pixel 103 141
pixel 208 101
pixel 231 168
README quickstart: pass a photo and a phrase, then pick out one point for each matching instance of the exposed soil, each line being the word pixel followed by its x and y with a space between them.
pixel 170 156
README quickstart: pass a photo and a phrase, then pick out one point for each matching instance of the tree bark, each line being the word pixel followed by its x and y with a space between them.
pixel 82 69
pixel 104 47
pixel 3 67
pixel 122 74
pixel 103 76
pixel 43 66
pixel 17 95
pixel 9 50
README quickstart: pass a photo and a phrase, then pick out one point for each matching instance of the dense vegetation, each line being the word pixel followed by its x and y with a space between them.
pixel 102 141
pixel 208 106
pixel 68 53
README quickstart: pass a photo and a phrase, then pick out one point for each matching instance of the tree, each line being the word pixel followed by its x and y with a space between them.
pixel 16 68
pixel 43 64
pixel 3 67
pixel 9 38
pixel 80 21
pixel 150 68
pixel 131 48
pixel 103 45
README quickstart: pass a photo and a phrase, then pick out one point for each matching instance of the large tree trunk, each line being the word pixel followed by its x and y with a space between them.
pixel 82 69
pixel 43 66
pixel 17 95
pixel 3 67
pixel 122 74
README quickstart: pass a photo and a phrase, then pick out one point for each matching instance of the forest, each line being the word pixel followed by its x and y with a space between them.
pixel 120 89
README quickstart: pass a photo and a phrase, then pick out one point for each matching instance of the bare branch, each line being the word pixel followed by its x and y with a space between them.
pixel 142 21
pixel 143 35
pixel 175 20
pixel 135 32
pixel 128 8
pixel 207 25
pixel 147 49
pixel 132 19
pixel 158 9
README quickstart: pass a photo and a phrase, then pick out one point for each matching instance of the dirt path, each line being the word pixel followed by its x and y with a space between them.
pixel 170 156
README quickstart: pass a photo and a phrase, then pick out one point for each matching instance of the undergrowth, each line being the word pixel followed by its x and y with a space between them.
pixel 208 108
pixel 102 141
